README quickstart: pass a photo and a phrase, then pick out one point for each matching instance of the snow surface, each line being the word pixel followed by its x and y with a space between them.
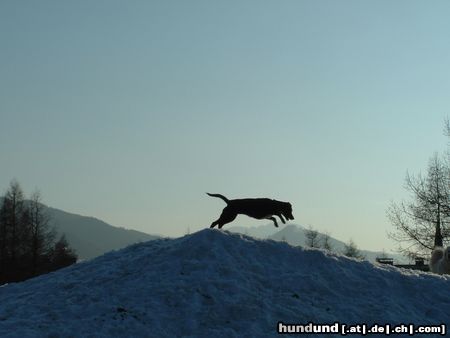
pixel 217 284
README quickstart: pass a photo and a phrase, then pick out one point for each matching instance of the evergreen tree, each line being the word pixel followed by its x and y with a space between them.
pixel 13 215
pixel 351 250
pixel 62 255
pixel 41 236
pixel 12 233
pixel 27 243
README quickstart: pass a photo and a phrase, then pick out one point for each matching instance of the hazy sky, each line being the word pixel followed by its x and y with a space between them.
pixel 129 111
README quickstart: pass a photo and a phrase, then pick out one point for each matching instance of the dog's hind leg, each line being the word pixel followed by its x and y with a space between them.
pixel 227 216
pixel 274 220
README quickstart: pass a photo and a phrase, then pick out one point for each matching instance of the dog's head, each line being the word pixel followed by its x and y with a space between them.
pixel 287 210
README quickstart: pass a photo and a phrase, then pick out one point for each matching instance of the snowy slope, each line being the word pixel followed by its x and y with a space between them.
pixel 216 284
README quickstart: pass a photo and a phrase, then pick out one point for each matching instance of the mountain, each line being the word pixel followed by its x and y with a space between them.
pixel 218 284
pixel 295 235
pixel 91 237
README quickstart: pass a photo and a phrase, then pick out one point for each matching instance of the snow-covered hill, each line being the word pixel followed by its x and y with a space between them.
pixel 217 284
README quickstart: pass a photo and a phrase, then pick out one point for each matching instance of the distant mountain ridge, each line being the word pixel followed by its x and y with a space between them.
pixel 91 237
pixel 295 235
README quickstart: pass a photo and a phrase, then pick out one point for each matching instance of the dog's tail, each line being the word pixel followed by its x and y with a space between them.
pixel 436 256
pixel 220 196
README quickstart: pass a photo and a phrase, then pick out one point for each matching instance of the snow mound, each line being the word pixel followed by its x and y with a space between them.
pixel 217 284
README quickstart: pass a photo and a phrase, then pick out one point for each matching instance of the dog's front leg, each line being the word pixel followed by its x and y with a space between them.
pixel 228 215
pixel 282 219
pixel 274 221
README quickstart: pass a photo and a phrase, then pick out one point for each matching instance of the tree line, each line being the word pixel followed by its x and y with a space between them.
pixel 314 239
pixel 29 246
pixel 423 222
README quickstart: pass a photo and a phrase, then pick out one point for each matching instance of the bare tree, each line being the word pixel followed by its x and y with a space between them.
pixel 312 237
pixel 422 224
pixel 326 242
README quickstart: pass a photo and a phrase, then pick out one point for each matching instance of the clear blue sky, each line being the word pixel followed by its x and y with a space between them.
pixel 130 111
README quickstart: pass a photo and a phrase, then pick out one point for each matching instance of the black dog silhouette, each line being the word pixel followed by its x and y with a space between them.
pixel 259 208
